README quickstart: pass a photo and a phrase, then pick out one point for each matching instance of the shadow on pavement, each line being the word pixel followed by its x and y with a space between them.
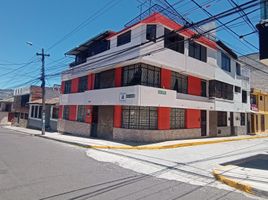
pixel 259 161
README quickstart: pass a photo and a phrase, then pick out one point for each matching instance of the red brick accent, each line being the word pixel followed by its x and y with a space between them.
pixel 62 87
pixel 165 78
pixel 117 116
pixel 163 118
pixel 118 77
pixel 60 112
pixel 88 118
pixel 90 81
pixel 194 85
pixel 72 114
pixel 193 118
pixel 75 82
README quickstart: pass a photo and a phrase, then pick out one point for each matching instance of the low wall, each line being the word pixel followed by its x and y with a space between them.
pixel 34 123
pixel 133 135
pixel 74 128
pixel 4 118
pixel 53 124
pixel 240 130
pixel 224 131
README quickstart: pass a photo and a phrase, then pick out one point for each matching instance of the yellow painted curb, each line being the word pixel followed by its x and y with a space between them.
pixel 171 146
pixel 233 183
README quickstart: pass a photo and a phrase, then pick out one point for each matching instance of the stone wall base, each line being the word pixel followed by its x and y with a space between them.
pixel 133 135
pixel 74 128
pixel 240 130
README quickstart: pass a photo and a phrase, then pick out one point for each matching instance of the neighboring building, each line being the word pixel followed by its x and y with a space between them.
pixel 259 93
pixel 5 93
pixel 131 86
pixel 52 112
pixel 263 32
pixel 6 111
pixel 22 96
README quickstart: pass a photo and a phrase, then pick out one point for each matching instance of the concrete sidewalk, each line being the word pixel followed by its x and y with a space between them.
pixel 105 144
pixel 250 180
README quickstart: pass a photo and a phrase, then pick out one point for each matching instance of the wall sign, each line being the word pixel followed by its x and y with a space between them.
pixel 162 92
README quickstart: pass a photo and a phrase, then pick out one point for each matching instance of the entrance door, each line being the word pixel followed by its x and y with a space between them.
pixel 94 124
pixel 203 123
pixel 262 123
pixel 232 122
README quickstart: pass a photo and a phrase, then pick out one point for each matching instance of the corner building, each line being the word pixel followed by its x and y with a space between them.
pixel 147 84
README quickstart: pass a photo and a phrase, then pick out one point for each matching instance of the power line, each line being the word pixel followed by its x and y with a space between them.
pixel 246 16
pixel 209 14
pixel 159 37
pixel 92 17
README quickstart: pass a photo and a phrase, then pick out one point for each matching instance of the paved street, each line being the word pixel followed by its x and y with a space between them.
pixel 36 168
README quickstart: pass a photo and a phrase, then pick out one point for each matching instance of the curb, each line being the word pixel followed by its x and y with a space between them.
pixel 125 147
pixel 152 147
pixel 239 185
pixel 172 146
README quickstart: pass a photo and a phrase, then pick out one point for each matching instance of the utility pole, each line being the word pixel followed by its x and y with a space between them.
pixel 263 32
pixel 43 86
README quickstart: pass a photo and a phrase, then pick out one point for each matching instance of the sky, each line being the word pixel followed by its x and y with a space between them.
pixel 45 23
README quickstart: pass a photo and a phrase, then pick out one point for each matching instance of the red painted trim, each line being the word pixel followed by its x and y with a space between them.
pixel 163 118
pixel 88 118
pixel 60 111
pixel 89 82
pixel 72 114
pixel 75 82
pixel 118 77
pixel 193 118
pixel 194 85
pixel 62 87
pixel 158 18
pixel 165 78
pixel 117 116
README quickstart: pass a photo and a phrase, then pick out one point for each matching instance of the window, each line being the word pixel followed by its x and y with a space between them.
pixel 197 51
pixel 173 41
pixel 242 119
pixel 238 69
pixel 225 62
pixel 104 79
pixel 124 38
pixel 134 117
pixel 151 32
pixel 221 90
pixel 141 74
pixel 179 82
pixel 203 88
pixel 66 111
pixel 237 89
pixel 82 85
pixel 54 112
pixel 81 113
pixel 244 96
pixel 67 87
pixel 24 100
pixel 253 99
pixel 260 98
pixel 222 118
pixel 36 111
pixel 177 118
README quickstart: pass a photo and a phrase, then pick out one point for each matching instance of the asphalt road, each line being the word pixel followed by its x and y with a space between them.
pixel 34 168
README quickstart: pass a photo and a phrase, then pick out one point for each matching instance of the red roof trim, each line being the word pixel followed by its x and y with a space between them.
pixel 158 18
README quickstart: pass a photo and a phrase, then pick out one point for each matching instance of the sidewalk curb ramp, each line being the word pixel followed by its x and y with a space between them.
pixel 153 147
pixel 239 185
